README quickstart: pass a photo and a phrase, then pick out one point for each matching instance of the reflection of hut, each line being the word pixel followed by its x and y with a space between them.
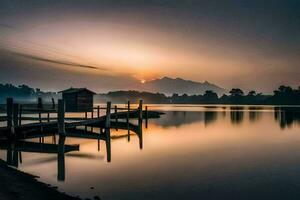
pixel 78 99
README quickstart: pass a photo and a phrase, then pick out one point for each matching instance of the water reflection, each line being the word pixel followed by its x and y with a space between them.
pixel 200 141
pixel 14 148
pixel 286 116
pixel 61 159
pixel 210 117
pixel 236 115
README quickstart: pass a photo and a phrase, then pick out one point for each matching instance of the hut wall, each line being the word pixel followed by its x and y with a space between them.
pixel 84 101
pixel 71 101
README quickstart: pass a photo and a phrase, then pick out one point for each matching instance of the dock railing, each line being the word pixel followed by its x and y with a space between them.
pixel 16 115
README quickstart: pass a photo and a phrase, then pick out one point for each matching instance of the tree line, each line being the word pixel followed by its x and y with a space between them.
pixel 22 92
pixel 284 95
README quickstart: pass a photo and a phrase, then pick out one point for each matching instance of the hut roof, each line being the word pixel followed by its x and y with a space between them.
pixel 76 90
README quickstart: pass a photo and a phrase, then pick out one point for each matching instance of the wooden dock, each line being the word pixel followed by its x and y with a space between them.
pixel 29 121
pixel 17 119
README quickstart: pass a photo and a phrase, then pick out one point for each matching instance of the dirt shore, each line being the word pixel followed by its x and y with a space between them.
pixel 17 185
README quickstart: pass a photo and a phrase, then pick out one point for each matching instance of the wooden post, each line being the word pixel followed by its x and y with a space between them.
pixel 53 103
pixel 140 123
pixel 48 117
pixel 107 131
pixel 116 115
pixel 15 117
pixel 98 111
pixel 107 121
pixel 92 113
pixel 9 112
pixel 127 120
pixel 128 112
pixel 146 113
pixel 85 115
pixel 15 114
pixel 40 118
pixel 140 111
pixel 61 117
pixel 20 115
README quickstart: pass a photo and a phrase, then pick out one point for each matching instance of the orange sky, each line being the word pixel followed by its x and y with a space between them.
pixel 130 42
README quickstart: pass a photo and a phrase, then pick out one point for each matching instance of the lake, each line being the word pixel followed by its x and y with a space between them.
pixel 191 152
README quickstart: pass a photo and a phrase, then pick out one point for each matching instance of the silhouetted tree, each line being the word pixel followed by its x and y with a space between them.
pixel 235 92
pixel 210 97
pixel 252 93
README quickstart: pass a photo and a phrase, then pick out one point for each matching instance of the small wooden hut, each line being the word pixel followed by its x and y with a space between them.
pixel 78 99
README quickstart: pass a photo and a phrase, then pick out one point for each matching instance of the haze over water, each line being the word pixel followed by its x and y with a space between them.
pixel 193 152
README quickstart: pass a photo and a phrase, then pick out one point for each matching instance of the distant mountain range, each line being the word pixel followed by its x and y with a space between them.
pixel 180 86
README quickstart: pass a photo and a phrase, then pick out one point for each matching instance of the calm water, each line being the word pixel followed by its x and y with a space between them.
pixel 191 152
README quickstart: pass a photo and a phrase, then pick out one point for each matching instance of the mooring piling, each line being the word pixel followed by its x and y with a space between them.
pixel 15 118
pixel 20 115
pixel 146 116
pixel 127 120
pixel 9 112
pixel 107 131
pixel 98 111
pixel 53 103
pixel 116 115
pixel 15 114
pixel 61 117
pixel 140 110
pixel 107 121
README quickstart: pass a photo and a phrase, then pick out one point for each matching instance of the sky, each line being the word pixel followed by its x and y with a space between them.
pixel 116 44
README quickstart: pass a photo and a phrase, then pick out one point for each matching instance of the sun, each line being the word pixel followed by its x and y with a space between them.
pixel 143 81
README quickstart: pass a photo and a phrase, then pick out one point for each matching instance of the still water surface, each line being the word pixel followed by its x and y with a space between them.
pixel 191 152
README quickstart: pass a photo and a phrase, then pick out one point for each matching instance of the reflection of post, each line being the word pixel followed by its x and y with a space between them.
pixel 61 117
pixel 127 120
pixel 98 111
pixel 15 161
pixel 99 143
pixel 140 133
pixel 140 123
pixel 9 153
pixel 107 132
pixel 146 116
pixel 108 146
pixel 61 159
pixel 20 156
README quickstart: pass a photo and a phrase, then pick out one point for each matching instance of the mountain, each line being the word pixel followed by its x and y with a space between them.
pixel 170 86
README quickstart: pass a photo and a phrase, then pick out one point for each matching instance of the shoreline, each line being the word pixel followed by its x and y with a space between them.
pixel 15 185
